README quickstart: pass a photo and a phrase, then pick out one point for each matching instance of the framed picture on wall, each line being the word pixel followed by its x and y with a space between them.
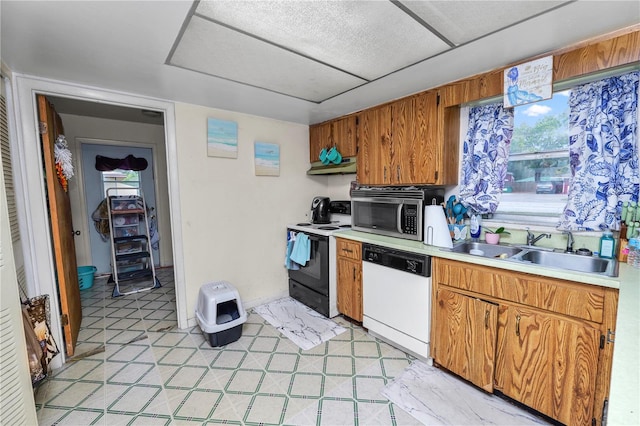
pixel 528 82
pixel 222 138
pixel 267 159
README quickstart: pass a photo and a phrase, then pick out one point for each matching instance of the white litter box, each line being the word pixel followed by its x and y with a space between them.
pixel 219 313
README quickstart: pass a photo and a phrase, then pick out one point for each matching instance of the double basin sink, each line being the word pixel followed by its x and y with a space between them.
pixel 547 258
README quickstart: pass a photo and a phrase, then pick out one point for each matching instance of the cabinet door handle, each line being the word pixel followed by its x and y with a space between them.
pixel 384 178
pixel 518 325
pixel 347 250
pixel 486 319
pixel 354 273
pixel 398 173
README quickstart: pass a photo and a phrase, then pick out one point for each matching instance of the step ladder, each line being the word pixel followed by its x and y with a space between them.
pixel 131 252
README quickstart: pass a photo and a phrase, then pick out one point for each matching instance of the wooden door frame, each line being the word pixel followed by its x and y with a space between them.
pixel 31 200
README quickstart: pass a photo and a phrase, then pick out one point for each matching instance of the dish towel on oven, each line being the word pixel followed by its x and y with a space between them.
pixel 288 263
pixel 301 252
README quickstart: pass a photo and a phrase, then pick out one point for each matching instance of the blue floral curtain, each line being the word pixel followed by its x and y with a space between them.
pixel 603 150
pixel 485 157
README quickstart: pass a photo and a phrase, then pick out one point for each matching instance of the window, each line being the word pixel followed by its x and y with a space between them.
pixel 538 172
pixel 125 182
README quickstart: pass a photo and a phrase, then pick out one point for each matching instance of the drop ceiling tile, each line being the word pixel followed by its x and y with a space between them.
pixel 215 50
pixel 463 21
pixel 369 39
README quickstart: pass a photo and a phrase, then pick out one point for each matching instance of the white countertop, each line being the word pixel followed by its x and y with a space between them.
pixel 624 396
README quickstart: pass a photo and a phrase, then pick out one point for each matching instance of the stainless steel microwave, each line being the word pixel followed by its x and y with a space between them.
pixel 394 212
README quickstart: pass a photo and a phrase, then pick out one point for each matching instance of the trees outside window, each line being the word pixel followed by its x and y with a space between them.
pixel 126 182
pixel 538 172
pixel 539 155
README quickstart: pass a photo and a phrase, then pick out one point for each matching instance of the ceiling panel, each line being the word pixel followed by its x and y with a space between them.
pixel 369 39
pixel 126 47
pixel 218 51
pixel 463 21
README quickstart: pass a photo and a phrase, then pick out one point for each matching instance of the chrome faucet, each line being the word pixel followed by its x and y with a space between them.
pixel 532 239
pixel 569 241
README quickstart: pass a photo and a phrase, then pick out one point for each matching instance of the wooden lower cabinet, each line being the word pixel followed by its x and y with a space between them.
pixel 466 336
pixel 548 363
pixel 349 271
pixel 526 335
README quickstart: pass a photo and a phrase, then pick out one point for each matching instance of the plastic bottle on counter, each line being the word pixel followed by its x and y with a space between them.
pixel 607 245
pixel 475 226
pixel 633 258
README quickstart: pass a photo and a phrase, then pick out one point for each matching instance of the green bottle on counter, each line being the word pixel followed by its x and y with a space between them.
pixel 607 245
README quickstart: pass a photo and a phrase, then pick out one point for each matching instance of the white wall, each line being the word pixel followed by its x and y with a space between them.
pixel 105 131
pixel 339 186
pixel 233 222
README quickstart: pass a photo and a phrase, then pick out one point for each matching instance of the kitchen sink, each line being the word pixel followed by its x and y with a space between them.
pixel 486 250
pixel 568 261
pixel 540 256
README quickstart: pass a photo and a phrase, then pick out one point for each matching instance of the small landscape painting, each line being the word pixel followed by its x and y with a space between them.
pixel 222 138
pixel 267 159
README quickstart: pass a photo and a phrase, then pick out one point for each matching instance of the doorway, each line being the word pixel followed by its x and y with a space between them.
pixel 95 191
pixel 113 132
pixel 32 203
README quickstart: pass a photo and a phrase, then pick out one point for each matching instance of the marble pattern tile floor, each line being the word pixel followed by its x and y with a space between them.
pixel 140 369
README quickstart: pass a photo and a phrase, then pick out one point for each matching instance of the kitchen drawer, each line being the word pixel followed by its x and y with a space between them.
pixel 349 249
pixel 564 297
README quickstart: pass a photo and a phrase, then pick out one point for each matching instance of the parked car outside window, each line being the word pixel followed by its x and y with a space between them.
pixel 549 187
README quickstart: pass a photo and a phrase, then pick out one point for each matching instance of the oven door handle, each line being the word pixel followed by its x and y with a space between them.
pixel 312 237
pixel 399 218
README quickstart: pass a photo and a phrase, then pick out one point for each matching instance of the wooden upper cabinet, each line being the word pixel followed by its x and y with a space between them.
pixel 319 137
pixel 404 157
pixel 374 150
pixel 344 135
pixel 406 143
pixel 414 140
pixel 340 132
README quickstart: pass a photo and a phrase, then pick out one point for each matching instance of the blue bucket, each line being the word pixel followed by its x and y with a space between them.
pixel 85 276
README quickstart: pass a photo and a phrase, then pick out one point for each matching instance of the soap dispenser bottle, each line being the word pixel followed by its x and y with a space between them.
pixel 607 245
pixel 476 226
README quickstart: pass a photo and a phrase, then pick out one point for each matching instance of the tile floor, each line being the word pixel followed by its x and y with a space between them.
pixel 150 372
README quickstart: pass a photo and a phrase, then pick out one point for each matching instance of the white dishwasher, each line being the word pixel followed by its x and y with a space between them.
pixel 396 297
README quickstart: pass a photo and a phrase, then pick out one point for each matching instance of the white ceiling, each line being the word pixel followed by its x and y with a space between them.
pixel 301 61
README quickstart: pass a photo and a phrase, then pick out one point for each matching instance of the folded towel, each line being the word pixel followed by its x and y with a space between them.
pixel 301 252
pixel 288 263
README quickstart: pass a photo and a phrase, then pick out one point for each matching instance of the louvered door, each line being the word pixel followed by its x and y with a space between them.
pixel 16 396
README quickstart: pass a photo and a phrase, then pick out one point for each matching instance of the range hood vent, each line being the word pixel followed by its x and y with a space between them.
pixel 348 165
